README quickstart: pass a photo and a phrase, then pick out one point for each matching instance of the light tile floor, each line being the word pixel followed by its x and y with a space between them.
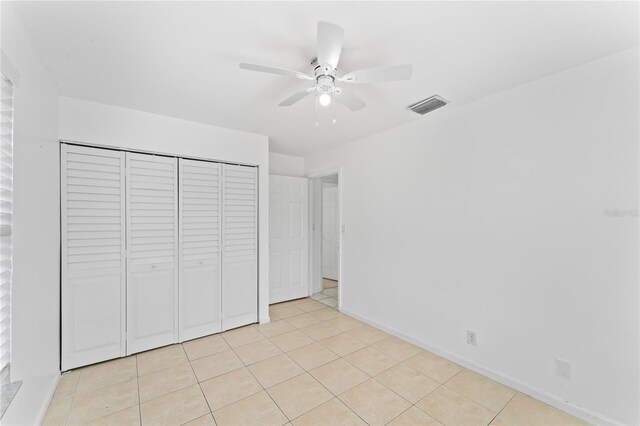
pixel 311 365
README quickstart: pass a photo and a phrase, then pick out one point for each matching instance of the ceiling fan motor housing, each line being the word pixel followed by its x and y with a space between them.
pixel 325 84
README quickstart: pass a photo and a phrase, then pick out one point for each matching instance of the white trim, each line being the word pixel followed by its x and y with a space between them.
pixel 8 69
pixel 264 320
pixel 572 408
pixel 328 172
pixel 144 151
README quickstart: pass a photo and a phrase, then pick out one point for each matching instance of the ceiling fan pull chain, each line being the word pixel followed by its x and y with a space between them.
pixel 334 107
pixel 317 123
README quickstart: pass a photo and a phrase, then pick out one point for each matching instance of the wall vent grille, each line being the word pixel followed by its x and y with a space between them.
pixel 428 105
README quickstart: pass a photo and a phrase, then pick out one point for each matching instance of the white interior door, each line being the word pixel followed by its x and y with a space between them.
pixel 152 243
pixel 288 238
pixel 330 231
pixel 239 246
pixel 200 241
pixel 93 255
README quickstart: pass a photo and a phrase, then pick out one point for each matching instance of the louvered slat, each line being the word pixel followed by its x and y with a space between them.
pixel 6 219
pixel 240 245
pixel 200 234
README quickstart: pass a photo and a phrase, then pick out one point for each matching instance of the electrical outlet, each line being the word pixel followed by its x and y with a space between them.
pixel 563 369
pixel 471 338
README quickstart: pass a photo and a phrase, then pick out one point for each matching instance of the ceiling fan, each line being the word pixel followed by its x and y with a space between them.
pixel 325 75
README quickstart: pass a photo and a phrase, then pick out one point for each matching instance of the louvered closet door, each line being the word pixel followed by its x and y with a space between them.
pixel 93 258
pixel 152 245
pixel 240 247
pixel 200 240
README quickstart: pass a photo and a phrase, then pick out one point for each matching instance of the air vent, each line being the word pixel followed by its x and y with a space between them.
pixel 428 105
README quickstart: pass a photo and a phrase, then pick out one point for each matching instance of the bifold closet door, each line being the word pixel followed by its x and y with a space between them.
pixel 152 245
pixel 93 255
pixel 240 246
pixel 200 241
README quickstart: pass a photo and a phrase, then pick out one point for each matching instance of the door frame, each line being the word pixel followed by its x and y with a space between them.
pixel 330 273
pixel 315 239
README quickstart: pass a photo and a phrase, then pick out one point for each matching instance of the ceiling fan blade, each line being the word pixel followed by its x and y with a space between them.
pixel 373 75
pixel 273 70
pixel 330 38
pixel 351 101
pixel 296 97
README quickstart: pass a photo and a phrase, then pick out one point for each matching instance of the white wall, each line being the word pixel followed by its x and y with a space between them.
pixel 491 217
pixel 36 256
pixel 99 124
pixel 286 165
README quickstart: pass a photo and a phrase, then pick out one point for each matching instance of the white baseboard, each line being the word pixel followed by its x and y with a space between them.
pixel 574 409
pixel 45 406
pixel 265 320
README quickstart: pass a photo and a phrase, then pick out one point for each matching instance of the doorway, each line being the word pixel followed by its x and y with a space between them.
pixel 326 227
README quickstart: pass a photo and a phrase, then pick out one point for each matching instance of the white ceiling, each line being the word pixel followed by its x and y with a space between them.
pixel 181 58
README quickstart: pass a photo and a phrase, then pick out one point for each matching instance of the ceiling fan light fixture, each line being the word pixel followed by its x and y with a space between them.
pixel 324 99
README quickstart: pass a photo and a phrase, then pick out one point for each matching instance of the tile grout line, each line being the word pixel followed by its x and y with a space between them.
pixel 305 371
pixel 260 384
pixel 471 399
pixel 409 408
pixel 429 414
pixel 398 362
pixel 73 397
pixel 139 401
pixel 502 409
pixel 335 396
pixel 199 385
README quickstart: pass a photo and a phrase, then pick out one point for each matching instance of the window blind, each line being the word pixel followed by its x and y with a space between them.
pixel 6 218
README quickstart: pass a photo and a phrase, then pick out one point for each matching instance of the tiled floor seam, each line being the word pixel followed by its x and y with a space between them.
pixel 261 385
pixel 199 385
pixel 410 407
pixel 73 396
pixel 337 396
pixel 139 401
pixel 505 406
pixel 471 399
pixel 429 414
pixel 268 394
pixel 328 390
pixel 311 375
